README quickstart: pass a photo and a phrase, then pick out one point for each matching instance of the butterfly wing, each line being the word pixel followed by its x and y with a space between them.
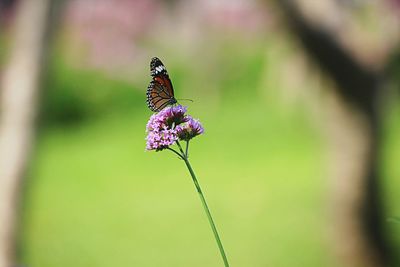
pixel 157 97
pixel 160 92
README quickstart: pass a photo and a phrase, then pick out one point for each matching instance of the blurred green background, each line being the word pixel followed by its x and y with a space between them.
pixel 94 197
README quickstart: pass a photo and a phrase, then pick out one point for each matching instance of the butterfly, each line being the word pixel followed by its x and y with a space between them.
pixel 160 92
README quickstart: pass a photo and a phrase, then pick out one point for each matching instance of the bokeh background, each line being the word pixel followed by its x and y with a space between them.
pixel 92 196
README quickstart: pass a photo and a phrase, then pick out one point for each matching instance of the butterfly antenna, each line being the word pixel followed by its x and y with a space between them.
pixel 185 99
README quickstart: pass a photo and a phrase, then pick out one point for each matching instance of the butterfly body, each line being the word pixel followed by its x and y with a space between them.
pixel 160 92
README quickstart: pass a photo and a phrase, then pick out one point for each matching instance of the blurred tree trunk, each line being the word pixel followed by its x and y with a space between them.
pixel 354 142
pixel 19 94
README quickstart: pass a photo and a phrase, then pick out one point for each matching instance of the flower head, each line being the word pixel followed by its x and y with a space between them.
pixel 190 129
pixel 161 139
pixel 169 125
pixel 174 115
pixel 168 117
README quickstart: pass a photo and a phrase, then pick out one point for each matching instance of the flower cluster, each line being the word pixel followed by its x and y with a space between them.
pixel 169 125
pixel 189 129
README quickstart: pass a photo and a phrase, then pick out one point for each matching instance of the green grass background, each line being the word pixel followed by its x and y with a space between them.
pixel 94 197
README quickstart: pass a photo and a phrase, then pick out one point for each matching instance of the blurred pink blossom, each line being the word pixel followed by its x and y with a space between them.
pixel 109 30
pixel 237 15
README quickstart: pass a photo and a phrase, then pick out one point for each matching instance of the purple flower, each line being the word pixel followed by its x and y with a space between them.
pixel 170 124
pixel 168 117
pixel 174 115
pixel 160 139
pixel 190 129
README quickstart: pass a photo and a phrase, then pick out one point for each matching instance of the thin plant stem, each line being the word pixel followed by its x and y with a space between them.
pixel 176 152
pixel 207 210
pixel 187 149
pixel 180 147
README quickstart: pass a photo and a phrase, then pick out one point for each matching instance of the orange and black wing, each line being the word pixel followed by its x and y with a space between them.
pixel 160 92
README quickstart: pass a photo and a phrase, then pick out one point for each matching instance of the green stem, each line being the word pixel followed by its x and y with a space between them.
pixel 176 152
pixel 180 148
pixel 207 210
pixel 187 149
